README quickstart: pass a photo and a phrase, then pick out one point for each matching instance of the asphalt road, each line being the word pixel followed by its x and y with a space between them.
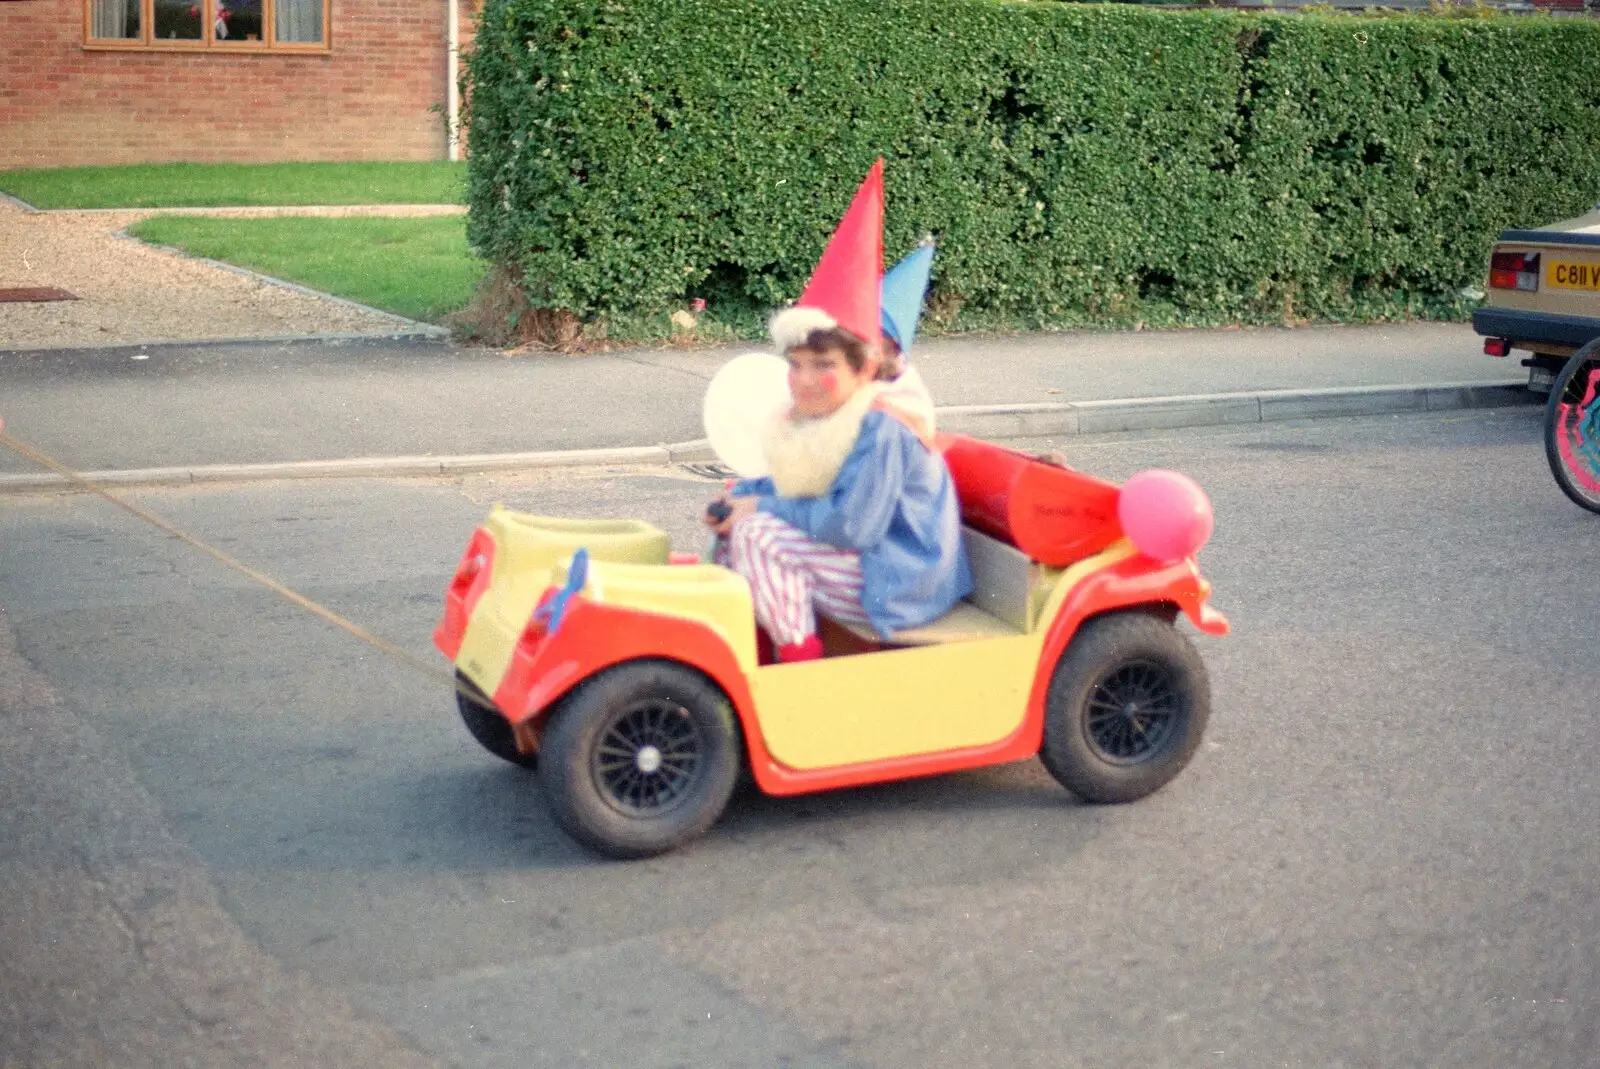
pixel 1384 855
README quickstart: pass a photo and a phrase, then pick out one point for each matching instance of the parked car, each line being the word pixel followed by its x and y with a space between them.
pixel 628 676
pixel 1543 295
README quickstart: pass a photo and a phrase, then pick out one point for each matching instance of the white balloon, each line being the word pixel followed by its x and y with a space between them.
pixel 745 396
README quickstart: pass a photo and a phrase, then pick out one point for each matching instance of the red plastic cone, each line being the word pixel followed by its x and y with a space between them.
pixel 843 290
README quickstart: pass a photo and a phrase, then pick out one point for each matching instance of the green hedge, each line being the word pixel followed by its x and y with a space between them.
pixel 1080 164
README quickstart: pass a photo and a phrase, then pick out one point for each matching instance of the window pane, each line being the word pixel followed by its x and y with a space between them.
pixel 116 20
pixel 179 20
pixel 238 20
pixel 298 21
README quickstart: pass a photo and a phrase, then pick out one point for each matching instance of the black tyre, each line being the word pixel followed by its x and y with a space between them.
pixel 1127 705
pixel 1572 428
pixel 488 726
pixel 640 759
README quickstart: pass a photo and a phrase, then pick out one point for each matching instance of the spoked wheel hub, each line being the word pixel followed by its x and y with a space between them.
pixel 1132 712
pixel 648 758
pixel 1127 705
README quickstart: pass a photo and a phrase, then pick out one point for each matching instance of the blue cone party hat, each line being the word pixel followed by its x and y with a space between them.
pixel 902 293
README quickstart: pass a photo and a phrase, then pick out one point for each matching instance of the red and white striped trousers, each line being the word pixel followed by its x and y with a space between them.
pixel 793 577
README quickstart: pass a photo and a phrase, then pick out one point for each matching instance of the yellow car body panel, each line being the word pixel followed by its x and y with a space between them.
pixel 709 594
pixel 894 703
pixel 841 711
pixel 528 550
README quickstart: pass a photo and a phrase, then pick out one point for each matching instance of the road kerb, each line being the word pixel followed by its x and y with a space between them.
pixel 316 469
pixel 1068 419
pixel 1312 404
pixel 1443 398
pixel 1044 420
pixel 1036 420
pixel 1160 413
pixel 557 458
pixel 698 450
pixel 356 467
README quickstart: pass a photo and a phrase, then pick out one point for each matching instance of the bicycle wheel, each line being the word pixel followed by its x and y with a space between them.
pixel 1572 427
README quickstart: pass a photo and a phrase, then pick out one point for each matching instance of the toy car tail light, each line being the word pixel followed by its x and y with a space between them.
pixel 466 587
pixel 1514 271
pixel 1496 346
pixel 474 562
pixel 534 631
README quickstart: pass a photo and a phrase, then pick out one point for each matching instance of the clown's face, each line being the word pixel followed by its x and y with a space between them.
pixel 822 380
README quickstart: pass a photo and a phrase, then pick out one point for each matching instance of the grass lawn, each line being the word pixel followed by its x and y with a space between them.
pixel 205 185
pixel 419 268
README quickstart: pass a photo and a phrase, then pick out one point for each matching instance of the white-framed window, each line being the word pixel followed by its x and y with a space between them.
pixel 229 25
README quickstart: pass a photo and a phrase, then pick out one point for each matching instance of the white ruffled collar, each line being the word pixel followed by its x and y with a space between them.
pixel 805 455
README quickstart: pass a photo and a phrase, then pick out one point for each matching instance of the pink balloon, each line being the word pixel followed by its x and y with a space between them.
pixel 1164 514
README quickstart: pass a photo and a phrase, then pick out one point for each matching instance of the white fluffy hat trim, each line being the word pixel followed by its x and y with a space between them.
pixel 794 325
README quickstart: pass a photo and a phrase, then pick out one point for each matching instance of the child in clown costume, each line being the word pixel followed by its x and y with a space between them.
pixel 901 296
pixel 858 518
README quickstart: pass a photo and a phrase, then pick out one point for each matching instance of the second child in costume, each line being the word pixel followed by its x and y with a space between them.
pixel 900 296
pixel 859 517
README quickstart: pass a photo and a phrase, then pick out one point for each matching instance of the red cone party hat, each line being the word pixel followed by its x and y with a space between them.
pixel 843 291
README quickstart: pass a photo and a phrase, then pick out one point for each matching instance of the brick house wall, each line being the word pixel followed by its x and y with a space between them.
pixel 378 94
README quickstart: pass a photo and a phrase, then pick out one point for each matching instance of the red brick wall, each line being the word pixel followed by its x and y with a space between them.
pixel 369 99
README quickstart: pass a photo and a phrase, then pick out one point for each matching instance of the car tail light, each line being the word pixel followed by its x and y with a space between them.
pixel 1514 271
pixel 1497 346
pixel 534 630
pixel 466 587
pixel 473 573
pixel 476 558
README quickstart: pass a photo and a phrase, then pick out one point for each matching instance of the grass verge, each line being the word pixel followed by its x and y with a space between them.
pixel 205 185
pixel 417 267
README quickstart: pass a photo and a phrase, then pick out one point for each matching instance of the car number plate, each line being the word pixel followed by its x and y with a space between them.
pixel 1573 275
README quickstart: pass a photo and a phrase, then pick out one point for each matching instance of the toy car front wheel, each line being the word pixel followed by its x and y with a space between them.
pixel 485 724
pixel 1127 705
pixel 640 759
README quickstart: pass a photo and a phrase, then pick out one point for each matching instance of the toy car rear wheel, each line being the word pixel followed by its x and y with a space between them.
pixel 1127 705
pixel 1572 428
pixel 485 724
pixel 640 759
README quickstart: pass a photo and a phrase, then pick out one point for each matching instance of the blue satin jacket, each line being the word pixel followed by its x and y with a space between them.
pixel 894 503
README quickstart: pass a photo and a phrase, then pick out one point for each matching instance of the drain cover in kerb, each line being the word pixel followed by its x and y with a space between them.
pixel 715 472
pixel 30 294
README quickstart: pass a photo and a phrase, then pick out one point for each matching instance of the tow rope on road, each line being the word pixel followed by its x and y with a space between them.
pixel 411 660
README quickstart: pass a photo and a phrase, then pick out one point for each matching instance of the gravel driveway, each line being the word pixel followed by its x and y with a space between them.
pixel 131 292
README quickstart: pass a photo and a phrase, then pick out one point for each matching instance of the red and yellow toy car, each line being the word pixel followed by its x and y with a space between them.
pixel 631 681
